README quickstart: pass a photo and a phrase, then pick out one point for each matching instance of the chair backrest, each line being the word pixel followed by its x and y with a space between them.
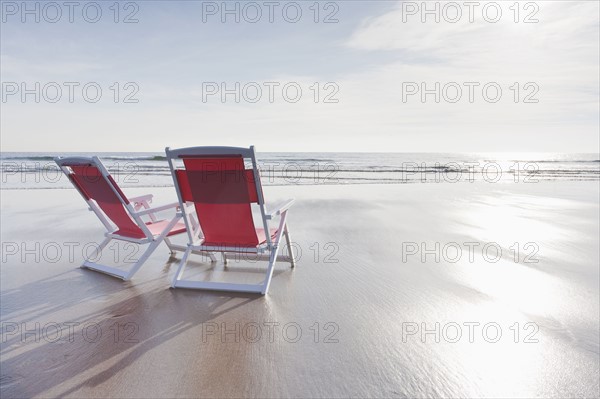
pixel 92 180
pixel 216 181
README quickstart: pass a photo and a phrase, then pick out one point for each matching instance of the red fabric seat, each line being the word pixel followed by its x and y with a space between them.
pixel 222 191
pixel 90 182
pixel 157 227
pixel 260 233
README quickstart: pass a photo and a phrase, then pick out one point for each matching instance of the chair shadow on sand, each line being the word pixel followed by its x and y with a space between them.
pixel 159 313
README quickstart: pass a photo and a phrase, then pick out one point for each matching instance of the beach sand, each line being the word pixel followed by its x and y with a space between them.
pixel 348 321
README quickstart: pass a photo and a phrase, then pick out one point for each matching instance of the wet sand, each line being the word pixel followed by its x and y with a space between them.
pixel 348 321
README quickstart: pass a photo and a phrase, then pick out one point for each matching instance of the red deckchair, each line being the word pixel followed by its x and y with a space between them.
pixel 215 185
pixel 121 216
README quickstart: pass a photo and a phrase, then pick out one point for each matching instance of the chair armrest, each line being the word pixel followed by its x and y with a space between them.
pixel 279 209
pixel 141 199
pixel 157 209
pixel 141 202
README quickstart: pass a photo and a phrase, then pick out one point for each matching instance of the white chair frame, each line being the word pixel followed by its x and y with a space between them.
pixel 267 251
pixel 137 207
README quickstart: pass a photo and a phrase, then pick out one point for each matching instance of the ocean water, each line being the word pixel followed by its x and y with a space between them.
pixel 26 170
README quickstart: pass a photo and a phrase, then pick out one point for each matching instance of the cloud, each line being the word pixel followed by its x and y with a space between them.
pixel 559 55
pixel 485 35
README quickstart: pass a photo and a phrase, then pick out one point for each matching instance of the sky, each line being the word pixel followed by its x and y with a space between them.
pixel 300 76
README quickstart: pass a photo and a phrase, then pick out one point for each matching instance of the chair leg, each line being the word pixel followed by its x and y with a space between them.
pixel 274 250
pixel 171 249
pixel 142 259
pixel 288 241
pixel 181 267
pixel 98 251
pixel 272 260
